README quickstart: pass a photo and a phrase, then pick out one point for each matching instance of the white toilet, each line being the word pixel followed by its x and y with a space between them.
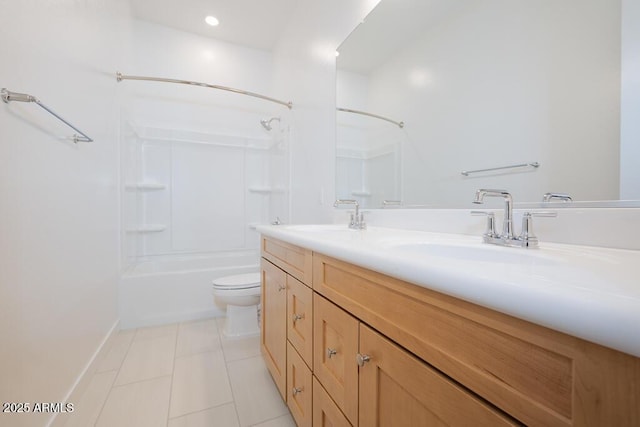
pixel 241 294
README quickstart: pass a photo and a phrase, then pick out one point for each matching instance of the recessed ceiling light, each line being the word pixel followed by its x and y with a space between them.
pixel 211 20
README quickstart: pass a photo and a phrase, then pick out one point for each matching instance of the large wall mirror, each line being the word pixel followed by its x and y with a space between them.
pixel 437 98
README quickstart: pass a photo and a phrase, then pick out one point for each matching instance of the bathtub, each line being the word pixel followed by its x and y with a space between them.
pixel 177 288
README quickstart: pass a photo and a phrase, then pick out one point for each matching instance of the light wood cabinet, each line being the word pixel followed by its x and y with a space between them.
pixel 325 411
pixel 300 318
pixel 431 359
pixel 299 388
pixel 536 375
pixel 335 345
pixel 286 327
pixel 398 389
pixel 296 261
pixel 273 325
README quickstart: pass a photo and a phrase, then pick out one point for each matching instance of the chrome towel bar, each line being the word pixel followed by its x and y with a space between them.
pixel 521 165
pixel 120 77
pixel 8 96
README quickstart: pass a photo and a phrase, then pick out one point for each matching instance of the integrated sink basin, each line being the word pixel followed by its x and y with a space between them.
pixel 479 252
pixel 318 228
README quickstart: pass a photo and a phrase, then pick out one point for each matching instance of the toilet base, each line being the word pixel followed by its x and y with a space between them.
pixel 241 322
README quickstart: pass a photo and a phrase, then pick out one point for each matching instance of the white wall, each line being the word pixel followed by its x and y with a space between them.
pixel 305 73
pixel 59 255
pixel 503 83
pixel 630 120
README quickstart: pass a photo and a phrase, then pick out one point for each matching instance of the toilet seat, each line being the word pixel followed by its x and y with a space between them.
pixel 237 282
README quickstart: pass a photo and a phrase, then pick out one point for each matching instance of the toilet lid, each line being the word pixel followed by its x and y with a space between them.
pixel 238 281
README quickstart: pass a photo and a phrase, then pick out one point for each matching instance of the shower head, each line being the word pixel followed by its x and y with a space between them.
pixel 266 123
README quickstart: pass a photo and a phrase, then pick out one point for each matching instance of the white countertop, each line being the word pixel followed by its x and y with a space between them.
pixel 588 292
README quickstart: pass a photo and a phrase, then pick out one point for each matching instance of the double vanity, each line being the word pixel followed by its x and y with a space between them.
pixel 395 327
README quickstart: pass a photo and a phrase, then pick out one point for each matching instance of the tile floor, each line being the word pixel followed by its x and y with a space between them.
pixel 181 375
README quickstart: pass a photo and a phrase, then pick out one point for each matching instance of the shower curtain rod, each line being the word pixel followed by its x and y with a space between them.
pixel 120 77
pixel 364 113
pixel 8 96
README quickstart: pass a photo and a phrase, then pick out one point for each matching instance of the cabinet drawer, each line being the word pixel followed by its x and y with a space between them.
pixel 299 388
pixel 325 412
pixel 526 374
pixel 398 389
pixel 300 318
pixel 335 345
pixel 293 259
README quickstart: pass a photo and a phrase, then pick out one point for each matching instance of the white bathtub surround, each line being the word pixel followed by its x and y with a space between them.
pixel 588 292
pixel 590 226
pixel 197 166
pixel 178 288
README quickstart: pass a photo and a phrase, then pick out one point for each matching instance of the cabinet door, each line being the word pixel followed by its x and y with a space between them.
pixel 273 337
pixel 335 345
pixel 325 412
pixel 300 318
pixel 398 389
pixel 299 388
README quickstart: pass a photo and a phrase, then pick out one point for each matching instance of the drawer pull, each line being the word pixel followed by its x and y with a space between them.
pixel 297 390
pixel 362 359
pixel 297 317
pixel 331 352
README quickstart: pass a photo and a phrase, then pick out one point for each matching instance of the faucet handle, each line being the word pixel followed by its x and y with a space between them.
pixel 563 197
pixel 527 238
pixel 490 230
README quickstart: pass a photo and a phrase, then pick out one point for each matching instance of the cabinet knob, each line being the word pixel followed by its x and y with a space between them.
pixel 297 390
pixel 362 359
pixel 331 352
pixel 297 317
pixel 281 288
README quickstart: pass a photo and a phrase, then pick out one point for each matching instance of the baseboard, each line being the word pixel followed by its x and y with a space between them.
pixel 80 385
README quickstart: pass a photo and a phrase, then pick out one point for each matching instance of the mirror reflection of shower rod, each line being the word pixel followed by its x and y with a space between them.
pixel 120 77
pixel 8 96
pixel 534 165
pixel 364 113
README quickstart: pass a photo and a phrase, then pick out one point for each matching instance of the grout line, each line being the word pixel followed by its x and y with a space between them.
pixel 205 409
pixel 104 402
pixel 226 370
pixel 141 380
pixel 173 370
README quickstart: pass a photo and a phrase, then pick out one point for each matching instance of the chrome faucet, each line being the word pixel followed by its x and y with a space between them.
pixel 526 239
pixel 507 223
pixel 357 219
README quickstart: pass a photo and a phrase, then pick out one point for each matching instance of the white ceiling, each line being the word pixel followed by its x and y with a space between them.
pixel 259 24
pixel 391 26
pixel 253 23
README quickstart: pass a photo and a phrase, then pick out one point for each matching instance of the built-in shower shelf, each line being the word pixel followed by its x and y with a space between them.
pixel 146 186
pixel 265 190
pixel 361 193
pixel 149 228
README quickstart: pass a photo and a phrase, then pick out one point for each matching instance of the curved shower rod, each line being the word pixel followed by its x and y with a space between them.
pixel 120 77
pixel 364 113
